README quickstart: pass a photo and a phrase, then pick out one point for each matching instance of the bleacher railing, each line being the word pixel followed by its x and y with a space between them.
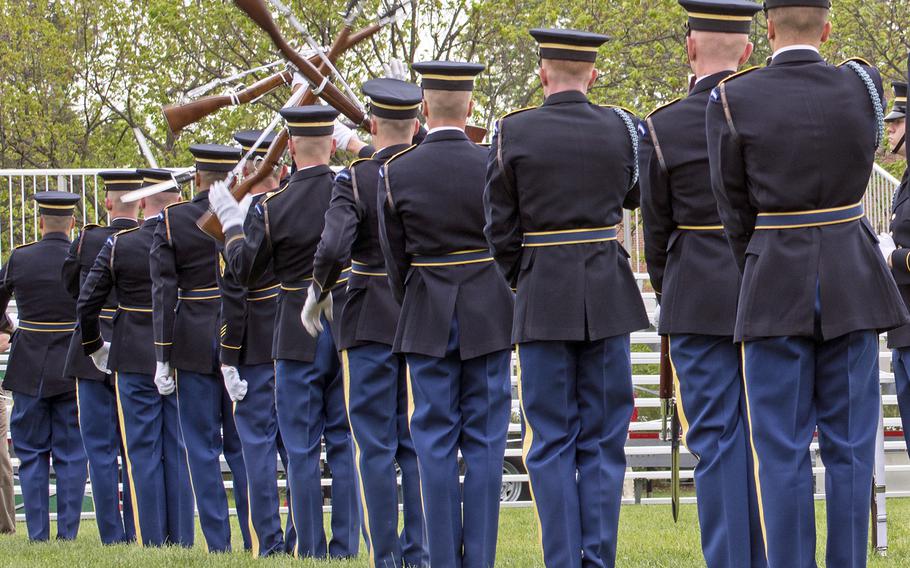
pixel 648 457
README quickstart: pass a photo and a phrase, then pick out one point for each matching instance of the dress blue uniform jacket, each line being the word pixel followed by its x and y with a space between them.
pixel 570 293
pixel 122 267
pixel 900 231
pixel 283 231
pixel 430 203
pixel 370 312
pixel 76 267
pixel 807 101
pixel 184 258
pixel 37 357
pixel 689 259
pixel 248 313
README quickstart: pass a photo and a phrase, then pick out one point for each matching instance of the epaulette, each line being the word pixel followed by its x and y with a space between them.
pixel 399 154
pixel 620 108
pixel 663 106
pixel 272 194
pixel 740 74
pixel 125 231
pixel 359 160
pixel 516 111
pixel 859 60
pixel 23 245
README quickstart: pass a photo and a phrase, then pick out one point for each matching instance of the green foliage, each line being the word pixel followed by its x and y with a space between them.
pixel 78 77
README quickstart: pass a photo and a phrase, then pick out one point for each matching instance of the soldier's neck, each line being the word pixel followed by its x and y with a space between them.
pixel 382 142
pixel 434 124
pixel 708 68
pixel 309 163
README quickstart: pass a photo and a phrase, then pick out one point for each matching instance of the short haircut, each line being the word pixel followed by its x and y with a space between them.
pixel 720 46
pixel 563 70
pixel 448 105
pixel 399 128
pixel 312 148
pixel 161 200
pixel 57 223
pixel 796 22
pixel 207 178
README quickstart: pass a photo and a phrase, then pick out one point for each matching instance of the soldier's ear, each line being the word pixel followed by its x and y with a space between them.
pixel 691 49
pixel 72 223
pixel 542 73
pixel 416 127
pixel 747 53
pixel 594 75
pixel 772 29
pixel 470 108
pixel 108 203
pixel 827 31
pixel 425 109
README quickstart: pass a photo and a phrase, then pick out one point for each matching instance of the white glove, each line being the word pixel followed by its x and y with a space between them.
pixel 163 379
pixel 342 135
pixel 395 69
pixel 225 207
pixel 313 310
pixel 99 357
pixel 886 245
pixel 236 387
pixel 655 317
pixel 13 321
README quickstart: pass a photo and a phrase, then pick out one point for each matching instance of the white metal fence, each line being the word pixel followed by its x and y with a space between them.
pixel 648 457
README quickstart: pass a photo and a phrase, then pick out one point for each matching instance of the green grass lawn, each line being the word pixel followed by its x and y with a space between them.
pixel 648 538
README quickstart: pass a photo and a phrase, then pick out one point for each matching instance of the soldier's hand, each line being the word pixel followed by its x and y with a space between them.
pixel 235 386
pixel 311 316
pixel 395 69
pixel 13 322
pixel 655 317
pixel 886 246
pixel 343 136
pixel 225 207
pixel 99 357
pixel 163 379
pixel 4 342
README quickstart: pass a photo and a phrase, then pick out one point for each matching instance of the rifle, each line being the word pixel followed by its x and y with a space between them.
pixel 179 116
pixel 669 411
pixel 257 11
pixel 879 510
pixel 208 222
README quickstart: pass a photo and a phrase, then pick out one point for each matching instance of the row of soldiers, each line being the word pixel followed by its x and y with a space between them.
pixel 376 311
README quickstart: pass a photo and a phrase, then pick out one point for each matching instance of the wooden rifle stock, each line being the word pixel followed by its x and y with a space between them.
pixel 208 222
pixel 179 117
pixel 475 133
pixel 259 13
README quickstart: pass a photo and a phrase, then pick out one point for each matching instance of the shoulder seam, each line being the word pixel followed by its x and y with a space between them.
pixel 739 74
pixel 857 59
pixel 663 106
pixel 516 111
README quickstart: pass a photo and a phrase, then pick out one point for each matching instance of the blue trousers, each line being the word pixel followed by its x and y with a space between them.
pixel 310 402
pixel 156 458
pixel 256 418
pixel 290 533
pixel 45 429
pixel 375 384
pixel 900 360
pixel 713 415
pixel 207 425
pixel 577 403
pixel 794 384
pixel 460 405
pixel 99 426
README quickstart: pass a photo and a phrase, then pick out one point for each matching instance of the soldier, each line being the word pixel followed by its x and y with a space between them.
pixel 558 178
pixel 154 451
pixel 455 319
pixel 791 148
pixel 96 399
pixel 696 280
pixel 44 423
pixel 895 247
pixel 247 330
pixel 283 231
pixel 374 377
pixel 185 272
